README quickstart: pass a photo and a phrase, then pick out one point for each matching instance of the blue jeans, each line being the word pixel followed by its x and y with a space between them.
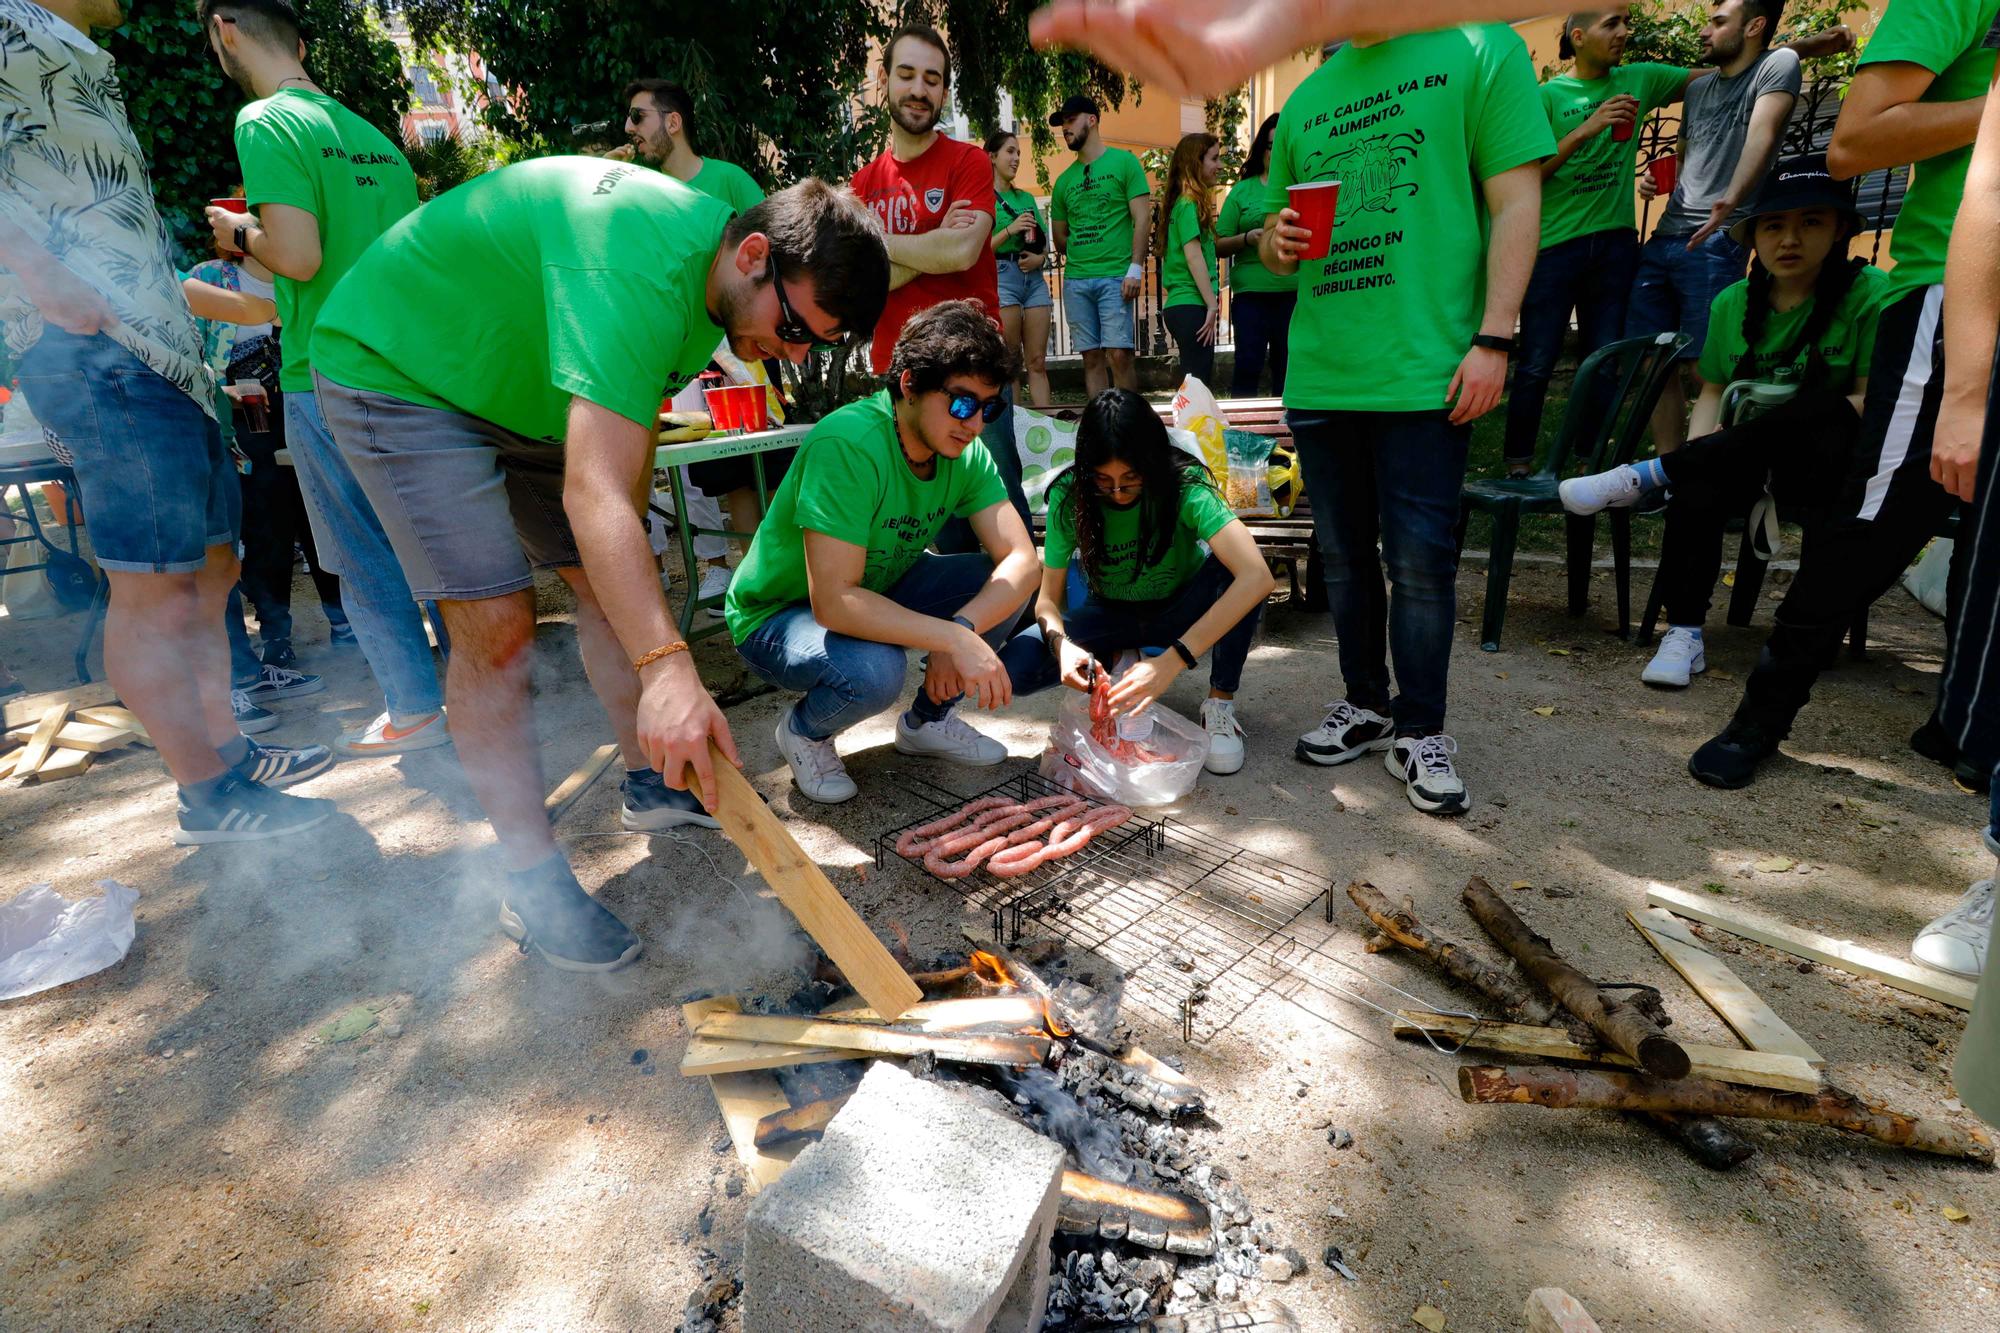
pixel 1591 275
pixel 1388 480
pixel 1675 286
pixel 387 623
pixel 1104 627
pixel 1263 323
pixel 1098 314
pixel 846 680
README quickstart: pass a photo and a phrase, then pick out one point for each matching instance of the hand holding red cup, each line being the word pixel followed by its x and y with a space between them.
pixel 1305 230
pixel 224 217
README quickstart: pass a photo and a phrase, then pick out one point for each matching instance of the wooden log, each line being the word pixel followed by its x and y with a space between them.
pixel 1622 1026
pixel 1456 961
pixel 1843 954
pixel 1152 1219
pixel 41 741
pixel 571 789
pixel 1155 1085
pixel 110 715
pixel 1605 1091
pixel 1725 1064
pixel 34 707
pixel 798 1123
pixel 808 894
pixel 84 736
pixel 1553 1310
pixel 1709 977
pixel 1011 1050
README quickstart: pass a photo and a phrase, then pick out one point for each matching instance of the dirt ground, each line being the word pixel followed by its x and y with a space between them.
pixel 181 1147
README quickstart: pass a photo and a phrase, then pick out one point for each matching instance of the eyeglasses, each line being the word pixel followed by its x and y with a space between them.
pixel 637 116
pixel 1105 486
pixel 791 328
pixel 963 405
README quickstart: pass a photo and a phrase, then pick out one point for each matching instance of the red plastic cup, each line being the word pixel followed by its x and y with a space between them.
pixel 755 411
pixel 1622 131
pixel 722 408
pixel 1664 170
pixel 234 206
pixel 1315 202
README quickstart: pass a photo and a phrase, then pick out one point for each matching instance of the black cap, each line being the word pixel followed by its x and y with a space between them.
pixel 1074 105
pixel 1797 182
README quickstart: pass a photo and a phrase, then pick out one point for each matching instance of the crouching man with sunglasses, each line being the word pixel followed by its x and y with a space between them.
pixel 492 370
pixel 839 585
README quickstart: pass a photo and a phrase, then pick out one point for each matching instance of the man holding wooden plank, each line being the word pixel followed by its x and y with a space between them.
pixel 492 371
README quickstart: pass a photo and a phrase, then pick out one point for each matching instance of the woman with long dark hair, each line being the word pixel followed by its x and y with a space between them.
pixel 1020 249
pixel 1260 301
pixel 1184 239
pixel 1136 514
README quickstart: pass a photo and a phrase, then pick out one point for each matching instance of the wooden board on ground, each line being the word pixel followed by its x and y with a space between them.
pixel 1724 1064
pixel 110 715
pixel 1799 942
pixel 63 764
pixel 809 895
pixel 744 1099
pixel 1721 989
pixel 85 736
pixel 34 707
pixel 41 741
pixel 571 789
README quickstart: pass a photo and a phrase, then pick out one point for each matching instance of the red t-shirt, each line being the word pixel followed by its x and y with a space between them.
pixel 912 198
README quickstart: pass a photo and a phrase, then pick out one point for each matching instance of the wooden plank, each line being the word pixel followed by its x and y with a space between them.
pixel 7 762
pixel 42 741
pixel 1724 1064
pixel 111 715
pixel 1009 1013
pixel 720 1055
pixel 571 789
pixel 1801 943
pixel 1007 1050
pixel 798 1122
pixel 1721 989
pixel 84 736
pixel 63 764
pixel 34 707
pixel 744 1099
pixel 1553 1310
pixel 808 894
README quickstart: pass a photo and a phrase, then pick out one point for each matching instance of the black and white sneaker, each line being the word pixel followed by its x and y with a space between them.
pixel 279 653
pixel 282 683
pixel 276 766
pixel 1345 733
pixel 244 811
pixel 250 719
pixel 651 806
pixel 565 925
pixel 1430 779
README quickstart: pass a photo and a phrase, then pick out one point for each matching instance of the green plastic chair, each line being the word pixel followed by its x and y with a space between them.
pixel 1600 430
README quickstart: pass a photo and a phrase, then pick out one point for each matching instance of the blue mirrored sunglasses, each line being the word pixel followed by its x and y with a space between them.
pixel 963 405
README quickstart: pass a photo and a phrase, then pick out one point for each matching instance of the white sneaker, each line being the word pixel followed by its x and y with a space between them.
pixel 1225 736
pixel 1345 733
pixel 950 737
pixel 383 736
pixel 714 583
pixel 816 766
pixel 1619 488
pixel 1680 658
pixel 1956 942
pixel 1430 779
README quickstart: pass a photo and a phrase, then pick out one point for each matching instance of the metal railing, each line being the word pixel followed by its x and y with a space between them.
pixel 1149 330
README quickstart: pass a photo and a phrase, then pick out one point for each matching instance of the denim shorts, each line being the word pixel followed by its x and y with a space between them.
pixel 1675 286
pixel 471 508
pixel 1098 313
pixel 156 484
pixel 1018 287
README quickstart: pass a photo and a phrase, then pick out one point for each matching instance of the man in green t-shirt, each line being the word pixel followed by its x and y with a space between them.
pixel 1402 334
pixel 1919 92
pixel 493 371
pixel 839 585
pixel 1102 213
pixel 324 184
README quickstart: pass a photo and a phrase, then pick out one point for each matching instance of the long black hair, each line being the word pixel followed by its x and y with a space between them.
pixel 1836 277
pixel 1259 159
pixel 1119 425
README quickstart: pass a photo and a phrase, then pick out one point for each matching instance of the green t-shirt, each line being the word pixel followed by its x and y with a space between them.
pixel 1593 191
pixel 1409 127
pixel 1008 205
pixel 553 278
pixel 301 148
pixel 851 482
pixel 1242 210
pixel 1124 577
pixel 729 183
pixel 1946 37
pixel 1095 200
pixel 1184 225
pixel 1846 349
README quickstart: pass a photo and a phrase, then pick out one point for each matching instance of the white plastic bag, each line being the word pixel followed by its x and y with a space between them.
pixel 46 940
pixel 1076 759
pixel 1926 579
pixel 1196 412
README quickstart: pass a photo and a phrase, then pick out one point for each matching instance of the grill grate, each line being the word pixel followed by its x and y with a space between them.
pixel 1190 918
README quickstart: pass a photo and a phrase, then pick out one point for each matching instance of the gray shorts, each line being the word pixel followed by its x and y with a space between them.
pixel 472 508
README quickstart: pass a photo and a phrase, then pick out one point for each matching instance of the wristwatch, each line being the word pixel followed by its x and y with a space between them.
pixel 961 620
pixel 1493 342
pixel 243 238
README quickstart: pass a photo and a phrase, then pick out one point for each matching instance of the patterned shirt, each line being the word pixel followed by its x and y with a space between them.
pixel 73 179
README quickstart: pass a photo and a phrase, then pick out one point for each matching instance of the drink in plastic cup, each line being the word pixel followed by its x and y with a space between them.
pixel 1665 170
pixel 1622 131
pixel 722 408
pixel 233 206
pixel 1314 202
pixel 754 413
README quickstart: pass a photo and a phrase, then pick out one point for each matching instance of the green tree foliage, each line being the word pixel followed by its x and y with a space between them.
pixel 443 163
pixel 184 111
pixel 1669 31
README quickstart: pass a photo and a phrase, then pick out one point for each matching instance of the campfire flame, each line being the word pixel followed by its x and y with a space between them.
pixel 993 969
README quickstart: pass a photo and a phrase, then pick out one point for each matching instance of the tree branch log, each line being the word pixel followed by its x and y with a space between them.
pixel 1623 1025
pixel 1400 924
pixel 1604 1091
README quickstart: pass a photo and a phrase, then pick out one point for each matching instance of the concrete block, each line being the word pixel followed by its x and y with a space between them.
pixel 918 1212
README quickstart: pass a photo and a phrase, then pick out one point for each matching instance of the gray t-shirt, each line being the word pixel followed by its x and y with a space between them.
pixel 1717 117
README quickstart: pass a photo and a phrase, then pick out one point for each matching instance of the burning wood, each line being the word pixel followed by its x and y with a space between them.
pixel 800 1122
pixel 997 1013
pixel 1258 1316
pixel 1150 1084
pixel 899 1041
pixel 1148 1218
pixel 1092 1023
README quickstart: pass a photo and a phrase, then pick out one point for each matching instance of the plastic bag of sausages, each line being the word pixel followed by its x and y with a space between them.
pixel 1151 759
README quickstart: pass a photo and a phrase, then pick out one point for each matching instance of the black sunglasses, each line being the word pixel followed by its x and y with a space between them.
pixel 791 328
pixel 964 404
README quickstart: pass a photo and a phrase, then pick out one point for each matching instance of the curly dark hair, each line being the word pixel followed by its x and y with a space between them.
pixel 1120 425
pixel 1258 161
pixel 947 339
pixel 825 236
